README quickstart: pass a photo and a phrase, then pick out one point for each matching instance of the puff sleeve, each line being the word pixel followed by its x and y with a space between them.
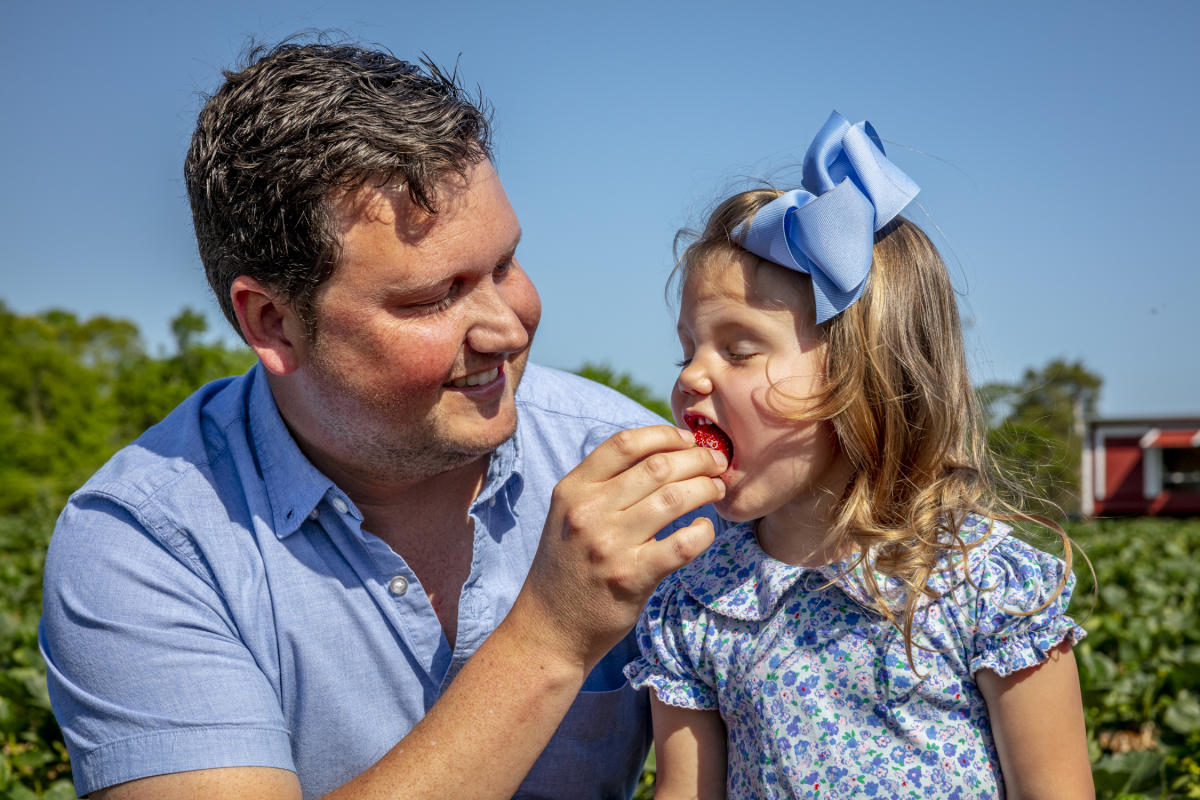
pixel 1010 629
pixel 670 635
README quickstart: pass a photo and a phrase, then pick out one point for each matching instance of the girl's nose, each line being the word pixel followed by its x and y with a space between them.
pixel 693 379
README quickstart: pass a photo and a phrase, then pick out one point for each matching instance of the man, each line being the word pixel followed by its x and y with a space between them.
pixel 345 574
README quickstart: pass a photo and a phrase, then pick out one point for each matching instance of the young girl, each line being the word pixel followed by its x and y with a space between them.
pixel 863 628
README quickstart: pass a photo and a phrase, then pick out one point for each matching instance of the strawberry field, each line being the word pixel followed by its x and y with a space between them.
pixel 1140 664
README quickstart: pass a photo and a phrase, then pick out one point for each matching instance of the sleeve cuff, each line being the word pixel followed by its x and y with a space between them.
pixel 1011 653
pixel 166 752
pixel 670 690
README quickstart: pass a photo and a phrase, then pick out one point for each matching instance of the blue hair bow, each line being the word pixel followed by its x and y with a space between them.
pixel 827 228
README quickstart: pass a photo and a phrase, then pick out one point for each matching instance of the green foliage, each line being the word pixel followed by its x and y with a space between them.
pixel 1033 431
pixel 625 384
pixel 1140 664
pixel 71 392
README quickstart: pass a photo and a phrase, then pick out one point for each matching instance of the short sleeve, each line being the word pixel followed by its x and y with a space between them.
pixel 146 671
pixel 670 635
pixel 1011 629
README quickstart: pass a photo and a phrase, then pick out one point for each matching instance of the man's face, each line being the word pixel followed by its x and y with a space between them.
pixel 422 332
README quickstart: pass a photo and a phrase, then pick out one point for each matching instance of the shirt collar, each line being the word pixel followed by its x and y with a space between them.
pixel 504 466
pixel 294 486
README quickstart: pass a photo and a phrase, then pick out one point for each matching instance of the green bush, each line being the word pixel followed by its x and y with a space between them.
pixel 34 762
pixel 1140 663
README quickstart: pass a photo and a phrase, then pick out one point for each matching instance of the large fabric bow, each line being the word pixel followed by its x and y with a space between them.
pixel 827 228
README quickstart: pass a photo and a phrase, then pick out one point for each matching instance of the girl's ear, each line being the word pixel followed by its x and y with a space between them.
pixel 271 326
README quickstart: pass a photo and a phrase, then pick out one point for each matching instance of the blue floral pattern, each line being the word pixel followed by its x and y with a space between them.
pixel 814 683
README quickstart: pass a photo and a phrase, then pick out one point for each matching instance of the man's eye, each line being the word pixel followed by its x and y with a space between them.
pixel 441 304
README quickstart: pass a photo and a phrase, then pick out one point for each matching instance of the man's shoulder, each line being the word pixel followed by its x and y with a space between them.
pixel 547 391
pixel 177 449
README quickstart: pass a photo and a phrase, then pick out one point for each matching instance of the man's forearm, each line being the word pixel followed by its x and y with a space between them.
pixel 488 728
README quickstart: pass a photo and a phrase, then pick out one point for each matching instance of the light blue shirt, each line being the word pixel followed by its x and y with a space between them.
pixel 211 600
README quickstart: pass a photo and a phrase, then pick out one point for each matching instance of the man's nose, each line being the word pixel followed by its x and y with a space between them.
pixel 498 327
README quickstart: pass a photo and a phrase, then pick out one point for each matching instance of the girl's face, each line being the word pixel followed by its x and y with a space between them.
pixel 751 351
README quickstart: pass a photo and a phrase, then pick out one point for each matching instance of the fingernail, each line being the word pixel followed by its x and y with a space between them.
pixel 720 487
pixel 721 460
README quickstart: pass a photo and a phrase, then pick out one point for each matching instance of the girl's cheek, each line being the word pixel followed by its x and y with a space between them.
pixel 677 404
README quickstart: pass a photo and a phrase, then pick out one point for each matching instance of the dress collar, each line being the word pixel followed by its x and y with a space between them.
pixel 735 578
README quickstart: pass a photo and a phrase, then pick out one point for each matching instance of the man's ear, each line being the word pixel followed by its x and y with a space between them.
pixel 270 325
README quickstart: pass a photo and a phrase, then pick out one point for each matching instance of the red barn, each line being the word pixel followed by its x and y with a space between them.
pixel 1138 467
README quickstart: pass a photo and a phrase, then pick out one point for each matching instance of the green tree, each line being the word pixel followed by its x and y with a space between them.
pixel 148 388
pixel 72 391
pixel 1035 430
pixel 624 383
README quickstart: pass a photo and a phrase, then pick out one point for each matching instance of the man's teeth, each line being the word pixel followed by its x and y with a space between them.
pixel 477 379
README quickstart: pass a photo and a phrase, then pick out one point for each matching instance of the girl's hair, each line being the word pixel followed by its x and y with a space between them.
pixel 900 400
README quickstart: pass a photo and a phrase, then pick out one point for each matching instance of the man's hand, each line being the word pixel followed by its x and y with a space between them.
pixel 599 559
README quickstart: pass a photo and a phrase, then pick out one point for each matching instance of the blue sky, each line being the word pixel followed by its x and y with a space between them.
pixel 1053 142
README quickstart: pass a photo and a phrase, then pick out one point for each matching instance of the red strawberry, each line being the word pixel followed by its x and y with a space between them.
pixel 713 437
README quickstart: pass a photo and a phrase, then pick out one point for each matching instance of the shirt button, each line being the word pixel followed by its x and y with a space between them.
pixel 340 504
pixel 492 502
pixel 314 514
pixel 398 585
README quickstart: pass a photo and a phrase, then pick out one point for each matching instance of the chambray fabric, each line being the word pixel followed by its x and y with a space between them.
pixel 211 599
pixel 814 684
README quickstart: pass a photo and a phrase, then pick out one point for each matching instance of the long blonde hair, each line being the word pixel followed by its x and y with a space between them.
pixel 900 400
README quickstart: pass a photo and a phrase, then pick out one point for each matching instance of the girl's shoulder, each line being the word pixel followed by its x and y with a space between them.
pixel 1006 596
pixel 984 552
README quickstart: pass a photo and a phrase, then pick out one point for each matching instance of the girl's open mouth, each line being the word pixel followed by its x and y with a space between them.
pixel 709 434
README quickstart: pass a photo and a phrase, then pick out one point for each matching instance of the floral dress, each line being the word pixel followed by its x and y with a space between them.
pixel 814 684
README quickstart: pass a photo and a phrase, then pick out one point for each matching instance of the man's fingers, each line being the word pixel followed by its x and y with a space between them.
pixel 629 447
pixel 668 503
pixel 663 471
pixel 663 556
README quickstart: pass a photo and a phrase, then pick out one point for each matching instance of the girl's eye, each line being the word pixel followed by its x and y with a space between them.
pixel 682 363
pixel 733 356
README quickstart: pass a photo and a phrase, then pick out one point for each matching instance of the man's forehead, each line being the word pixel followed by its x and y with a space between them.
pixel 390 203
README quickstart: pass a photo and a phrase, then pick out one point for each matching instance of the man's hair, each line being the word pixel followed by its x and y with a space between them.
pixel 300 122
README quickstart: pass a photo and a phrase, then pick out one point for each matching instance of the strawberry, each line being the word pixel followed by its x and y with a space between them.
pixel 713 437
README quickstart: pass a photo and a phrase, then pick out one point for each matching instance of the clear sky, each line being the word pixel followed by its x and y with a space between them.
pixel 1054 143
